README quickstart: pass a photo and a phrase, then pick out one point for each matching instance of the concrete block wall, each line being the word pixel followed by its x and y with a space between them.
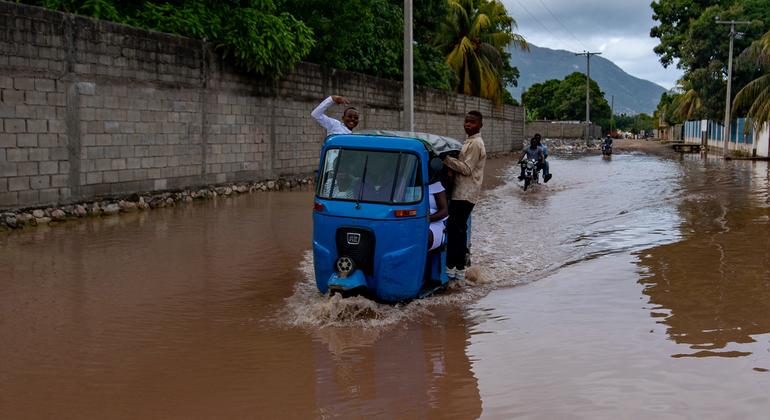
pixel 90 108
pixel 561 130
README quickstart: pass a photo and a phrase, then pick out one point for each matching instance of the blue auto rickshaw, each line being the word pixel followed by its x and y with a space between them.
pixel 370 218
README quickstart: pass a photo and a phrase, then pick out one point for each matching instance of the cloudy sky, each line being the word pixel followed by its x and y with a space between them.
pixel 620 29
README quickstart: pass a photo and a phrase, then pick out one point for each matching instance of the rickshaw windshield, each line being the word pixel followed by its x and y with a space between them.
pixel 370 176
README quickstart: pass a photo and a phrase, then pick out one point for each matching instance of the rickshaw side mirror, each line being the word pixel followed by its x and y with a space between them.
pixel 436 164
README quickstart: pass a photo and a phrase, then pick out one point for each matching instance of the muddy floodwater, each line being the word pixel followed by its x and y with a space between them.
pixel 630 287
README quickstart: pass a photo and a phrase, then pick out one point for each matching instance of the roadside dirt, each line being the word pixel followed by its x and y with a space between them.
pixel 654 147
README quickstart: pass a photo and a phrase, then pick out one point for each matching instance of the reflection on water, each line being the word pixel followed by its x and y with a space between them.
pixel 421 371
pixel 712 288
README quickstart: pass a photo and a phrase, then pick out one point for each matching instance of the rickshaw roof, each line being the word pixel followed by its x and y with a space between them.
pixel 392 139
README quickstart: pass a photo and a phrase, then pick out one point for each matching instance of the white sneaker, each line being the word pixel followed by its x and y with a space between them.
pixel 460 275
pixel 451 273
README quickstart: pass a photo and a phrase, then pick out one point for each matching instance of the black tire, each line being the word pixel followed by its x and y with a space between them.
pixel 526 183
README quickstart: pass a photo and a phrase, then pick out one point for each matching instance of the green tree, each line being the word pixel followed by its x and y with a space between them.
pixel 565 100
pixel 355 35
pixel 540 100
pixel 756 94
pixel 690 37
pixel 664 112
pixel 254 34
pixel 372 39
pixel 430 68
pixel 635 123
pixel 674 17
pixel 472 38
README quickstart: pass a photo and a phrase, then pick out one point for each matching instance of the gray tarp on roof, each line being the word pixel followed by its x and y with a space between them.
pixel 440 144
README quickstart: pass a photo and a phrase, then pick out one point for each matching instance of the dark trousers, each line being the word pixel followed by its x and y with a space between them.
pixel 457 233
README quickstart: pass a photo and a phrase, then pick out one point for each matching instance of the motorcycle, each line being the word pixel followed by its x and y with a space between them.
pixel 531 172
pixel 606 149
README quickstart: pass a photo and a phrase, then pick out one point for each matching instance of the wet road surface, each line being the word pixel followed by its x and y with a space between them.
pixel 642 289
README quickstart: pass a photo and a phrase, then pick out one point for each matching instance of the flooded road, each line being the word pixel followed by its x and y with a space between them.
pixel 642 288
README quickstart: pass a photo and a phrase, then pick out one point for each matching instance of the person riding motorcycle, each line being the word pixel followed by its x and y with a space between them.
pixel 546 167
pixel 607 141
pixel 532 152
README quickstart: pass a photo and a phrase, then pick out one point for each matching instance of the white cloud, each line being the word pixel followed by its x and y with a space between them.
pixel 620 29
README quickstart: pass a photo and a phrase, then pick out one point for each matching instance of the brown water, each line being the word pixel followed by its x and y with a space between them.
pixel 642 290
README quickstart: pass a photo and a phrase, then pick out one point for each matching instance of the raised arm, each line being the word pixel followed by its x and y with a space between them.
pixel 319 113
pixel 331 125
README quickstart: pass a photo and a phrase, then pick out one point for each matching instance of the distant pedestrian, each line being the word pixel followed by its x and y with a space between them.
pixel 344 125
pixel 469 174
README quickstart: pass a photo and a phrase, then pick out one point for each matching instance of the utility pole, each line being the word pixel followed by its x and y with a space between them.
pixel 726 132
pixel 588 94
pixel 408 68
pixel 612 113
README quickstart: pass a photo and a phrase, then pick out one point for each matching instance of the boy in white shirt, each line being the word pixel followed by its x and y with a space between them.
pixel 344 125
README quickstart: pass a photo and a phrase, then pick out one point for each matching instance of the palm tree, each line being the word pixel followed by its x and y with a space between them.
pixel 472 38
pixel 756 94
pixel 687 106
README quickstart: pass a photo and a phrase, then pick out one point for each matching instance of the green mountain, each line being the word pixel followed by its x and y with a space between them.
pixel 632 94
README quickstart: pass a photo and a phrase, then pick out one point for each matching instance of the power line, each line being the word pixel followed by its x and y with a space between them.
pixel 535 18
pixel 562 25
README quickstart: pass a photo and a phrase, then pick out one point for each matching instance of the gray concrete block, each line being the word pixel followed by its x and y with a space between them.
pixel 15 125
pixel 133 163
pixel 9 199
pixel 17 155
pixel 26 140
pixel 49 196
pixel 23 83
pixel 103 164
pixel 29 197
pixel 92 127
pixel 8 140
pixel 27 168
pixel 56 99
pixel 26 111
pixel 18 183
pixel 13 97
pixel 111 127
pixel 7 110
pixel 8 169
pixel 126 175
pixel 40 182
pixel 58 153
pixel 47 140
pixel 35 98
pixel 110 177
pixel 85 88
pixel 118 164
pixel 87 114
pixel 94 178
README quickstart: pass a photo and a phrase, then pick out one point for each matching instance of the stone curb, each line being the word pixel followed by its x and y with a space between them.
pixel 21 218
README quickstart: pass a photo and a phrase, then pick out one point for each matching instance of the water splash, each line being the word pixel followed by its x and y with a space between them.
pixel 521 236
